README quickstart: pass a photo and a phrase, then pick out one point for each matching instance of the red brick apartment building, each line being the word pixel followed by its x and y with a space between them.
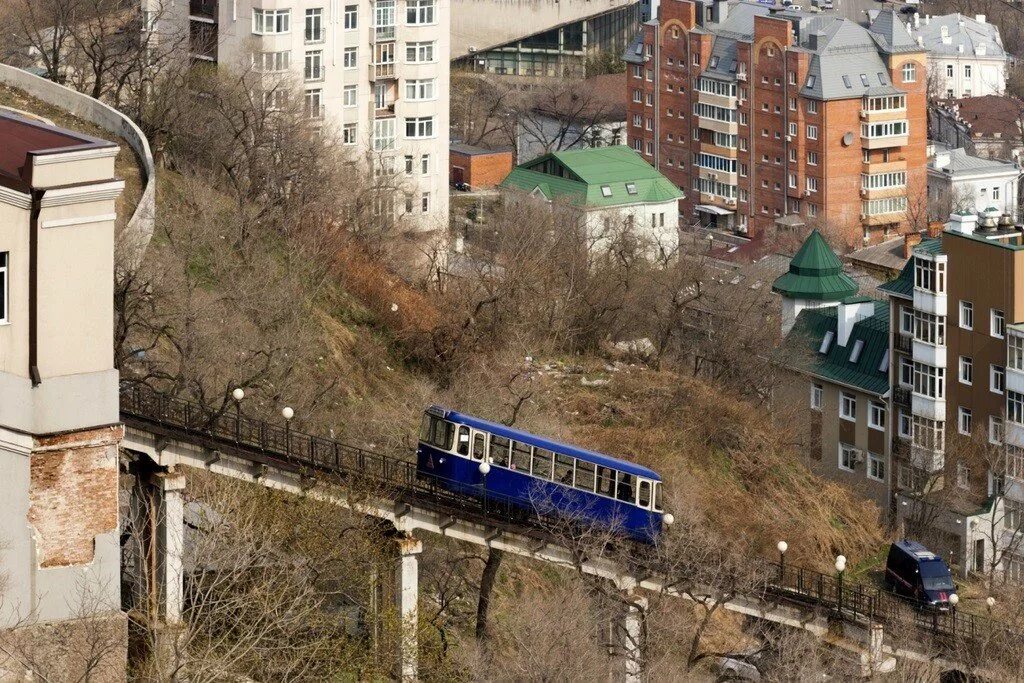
pixel 766 117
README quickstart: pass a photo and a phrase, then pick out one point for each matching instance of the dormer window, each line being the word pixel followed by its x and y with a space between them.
pixel 864 80
pixel 858 347
pixel 811 80
pixel 606 190
pixel 884 365
pixel 846 81
pixel 714 62
pixel 630 188
pixel 826 342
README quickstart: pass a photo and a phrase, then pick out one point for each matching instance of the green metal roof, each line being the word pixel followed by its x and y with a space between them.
pixel 903 286
pixel 815 272
pixel 594 177
pixel 814 323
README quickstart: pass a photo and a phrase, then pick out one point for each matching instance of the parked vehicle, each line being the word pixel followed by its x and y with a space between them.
pixel 822 4
pixel 908 9
pixel 918 574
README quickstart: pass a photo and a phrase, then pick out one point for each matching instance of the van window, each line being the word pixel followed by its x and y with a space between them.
pixel 499 450
pixel 542 463
pixel 521 456
pixel 463 445
pixel 585 475
pixel 606 481
pixel 479 445
pixel 935 576
pixel 626 488
pixel 443 434
pixel 657 496
pixel 644 497
pixel 563 469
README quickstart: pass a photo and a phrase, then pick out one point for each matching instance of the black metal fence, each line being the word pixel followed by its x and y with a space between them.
pixel 297 451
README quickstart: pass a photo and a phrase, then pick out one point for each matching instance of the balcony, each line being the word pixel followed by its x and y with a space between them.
pixel 903 343
pixel 315 111
pixel 383 33
pixel 884 141
pixel 895 163
pixel 202 41
pixel 930 302
pixel 731 127
pixel 1014 379
pixel 314 73
pixel 930 354
pixel 926 406
pixel 927 459
pixel 382 71
pixel 901 396
pixel 724 177
pixel 719 201
pixel 202 9
pixel 883 114
pixel 881 218
pixel 882 192
pixel 385 112
pixel 727 101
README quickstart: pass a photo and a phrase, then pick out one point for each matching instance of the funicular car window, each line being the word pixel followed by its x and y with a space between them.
pixel 521 456
pixel 563 469
pixel 479 444
pixel 499 450
pixel 444 434
pixel 425 428
pixel 625 489
pixel 606 481
pixel 644 498
pixel 542 463
pixel 657 496
pixel 585 475
pixel 463 445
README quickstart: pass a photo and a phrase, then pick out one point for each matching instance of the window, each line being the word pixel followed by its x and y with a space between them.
pixel 542 462
pixel 966 370
pixel 876 467
pixel 419 127
pixel 858 347
pixel 909 72
pixel 876 415
pixel 847 457
pixel 314 25
pixel 521 456
pixel 963 420
pixel 967 70
pixel 499 450
pixel 348 134
pixel 1015 352
pixel 605 481
pixel 963 475
pixel 348 96
pixel 949 71
pixel 929 275
pixel 419 53
pixel 351 14
pixel 425 202
pixel 271 62
pixel 1015 407
pixel 314 104
pixel 995 429
pixel 904 425
pixel 314 65
pixel 929 381
pixel 812 158
pixel 883 181
pixel 812 106
pixel 997 323
pixel 930 329
pixel 383 134
pixel 816 394
pixel 267 22
pixel 419 12
pixel 425 164
pixel 928 434
pixel 1013 515
pixel 585 476
pixel 419 89
pixel 996 379
pixel 812 132
pixel 847 406
pixel 885 129
pixel 812 184
pixel 967 315
pixel 4 300
pixel 792 129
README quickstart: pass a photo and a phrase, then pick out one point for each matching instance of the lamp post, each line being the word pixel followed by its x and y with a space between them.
pixel 484 468
pixel 840 568
pixel 954 600
pixel 990 602
pixel 238 394
pixel 287 413
pixel 783 547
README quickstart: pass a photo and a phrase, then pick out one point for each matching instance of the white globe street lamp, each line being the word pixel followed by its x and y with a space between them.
pixel 668 519
pixel 238 394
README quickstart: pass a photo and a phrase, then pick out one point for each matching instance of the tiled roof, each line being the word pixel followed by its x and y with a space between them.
pixel 814 323
pixel 991 115
pixel 583 174
pixel 816 273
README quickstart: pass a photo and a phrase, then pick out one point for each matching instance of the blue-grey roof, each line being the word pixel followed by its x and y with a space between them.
pixel 845 62
pixel 961 163
pixel 634 53
pixel 961 30
pixel 891 34
pixel 550 444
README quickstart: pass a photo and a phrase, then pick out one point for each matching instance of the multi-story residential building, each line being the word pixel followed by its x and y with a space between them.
pixel 377 70
pixel 965 56
pixel 610 189
pixel 761 114
pixel 965 182
pixel 841 349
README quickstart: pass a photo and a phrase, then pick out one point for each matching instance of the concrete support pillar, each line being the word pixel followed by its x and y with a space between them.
pixel 632 636
pixel 874 660
pixel 170 546
pixel 407 595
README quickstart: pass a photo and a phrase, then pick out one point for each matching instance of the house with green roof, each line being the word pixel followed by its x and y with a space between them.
pixel 837 344
pixel 612 189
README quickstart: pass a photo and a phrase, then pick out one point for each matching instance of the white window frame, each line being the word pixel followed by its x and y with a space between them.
pixel 996 378
pixel 314 19
pixel 423 52
pixel 997 323
pixel 420 89
pixel 351 17
pixel 279 21
pixel 909 72
pixel 348 134
pixel 876 467
pixel 848 457
pixel 422 12
pixel 995 429
pixel 5 288
pixel 350 58
pixel 876 415
pixel 966 315
pixel 847 406
pixel 964 420
pixel 966 371
pixel 817 394
pixel 423 127
pixel 349 96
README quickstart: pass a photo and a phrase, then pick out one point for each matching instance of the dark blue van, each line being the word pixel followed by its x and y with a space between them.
pixel 918 574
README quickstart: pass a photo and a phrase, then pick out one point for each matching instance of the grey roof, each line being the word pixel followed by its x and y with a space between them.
pixel 960 162
pixel 634 53
pixel 963 30
pixel 891 34
pixel 845 62
pixel 738 25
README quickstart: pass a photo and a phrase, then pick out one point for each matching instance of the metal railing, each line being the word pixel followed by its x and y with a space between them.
pixel 292 450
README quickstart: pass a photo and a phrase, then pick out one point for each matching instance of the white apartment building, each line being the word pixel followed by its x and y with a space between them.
pixel 972 183
pixel 965 56
pixel 376 71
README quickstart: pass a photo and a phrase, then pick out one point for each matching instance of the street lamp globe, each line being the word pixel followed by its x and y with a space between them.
pixel 954 599
pixel 783 547
pixel 287 413
pixel 238 394
pixel 841 563
pixel 668 518
pixel 484 468
pixel 990 601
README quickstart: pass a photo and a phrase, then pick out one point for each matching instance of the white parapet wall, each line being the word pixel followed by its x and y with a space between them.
pixel 139 228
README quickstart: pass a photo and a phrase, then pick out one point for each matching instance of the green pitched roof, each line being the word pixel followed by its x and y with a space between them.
pixel 903 285
pixel 814 323
pixel 815 272
pixel 593 177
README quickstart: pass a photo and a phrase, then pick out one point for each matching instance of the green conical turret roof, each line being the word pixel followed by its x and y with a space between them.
pixel 815 273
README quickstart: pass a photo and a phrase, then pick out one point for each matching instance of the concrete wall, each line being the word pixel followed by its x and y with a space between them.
pixel 656 225
pixel 483 24
pixel 139 228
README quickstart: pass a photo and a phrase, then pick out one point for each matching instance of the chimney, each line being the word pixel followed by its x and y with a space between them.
pixel 920 41
pixel 927 19
pixel 910 240
pixel 980 18
pixel 960 48
pixel 935 228
pixel 964 223
pixel 917 20
pixel 852 313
